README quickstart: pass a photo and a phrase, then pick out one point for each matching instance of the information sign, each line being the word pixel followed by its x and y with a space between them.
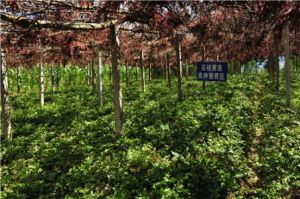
pixel 212 71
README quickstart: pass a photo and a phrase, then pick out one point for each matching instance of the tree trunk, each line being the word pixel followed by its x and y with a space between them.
pixel 111 73
pixel 88 75
pixel 232 67
pixel 142 70
pixel 136 73
pixel 53 82
pixel 93 75
pixel 179 68
pixel 99 79
pixel 168 70
pixel 298 66
pixel 165 66
pixel 276 63
pixel 271 63
pixel 203 59
pixel 5 109
pixel 18 80
pixel 287 65
pixel 150 71
pixel 238 67
pixel 115 46
pixel 58 76
pixel 42 85
pixel 229 66
pixel 186 70
pixel 126 74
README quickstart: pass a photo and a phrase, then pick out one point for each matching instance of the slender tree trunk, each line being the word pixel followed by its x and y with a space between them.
pixel 238 67
pixel 88 75
pixel 165 66
pixel 273 66
pixel 186 70
pixel 276 63
pixel 271 63
pixel 217 61
pixel 53 82
pixel 100 79
pixel 168 70
pixel 111 73
pixel 18 80
pixel 268 65
pixel 179 68
pixel 5 109
pixel 151 58
pixel 42 85
pixel 58 76
pixel 126 74
pixel 93 75
pixel 115 46
pixel 233 67
pixel 203 59
pixel 142 70
pixel 298 65
pixel 150 71
pixel 287 65
pixel 136 73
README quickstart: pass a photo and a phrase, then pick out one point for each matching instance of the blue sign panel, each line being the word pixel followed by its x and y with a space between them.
pixel 212 71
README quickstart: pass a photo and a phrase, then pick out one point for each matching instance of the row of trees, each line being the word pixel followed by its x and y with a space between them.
pixel 238 31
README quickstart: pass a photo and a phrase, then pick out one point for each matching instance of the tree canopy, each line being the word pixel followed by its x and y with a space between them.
pixel 230 30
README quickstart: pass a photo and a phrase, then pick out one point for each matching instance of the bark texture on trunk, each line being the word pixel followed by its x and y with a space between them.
pixel 179 68
pixel 100 79
pixel 276 63
pixel 142 70
pixel 186 69
pixel 287 65
pixel 88 75
pixel 165 66
pixel 136 72
pixel 93 75
pixel 271 63
pixel 126 74
pixel 18 80
pixel 53 82
pixel 5 109
pixel 115 58
pixel 203 59
pixel 150 71
pixel 168 70
pixel 42 85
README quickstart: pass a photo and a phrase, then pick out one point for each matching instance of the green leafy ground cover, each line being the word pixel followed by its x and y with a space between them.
pixel 233 140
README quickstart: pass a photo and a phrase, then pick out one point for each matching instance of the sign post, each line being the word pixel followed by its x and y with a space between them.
pixel 212 71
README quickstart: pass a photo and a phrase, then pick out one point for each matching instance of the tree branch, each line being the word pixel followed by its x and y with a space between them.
pixel 58 25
